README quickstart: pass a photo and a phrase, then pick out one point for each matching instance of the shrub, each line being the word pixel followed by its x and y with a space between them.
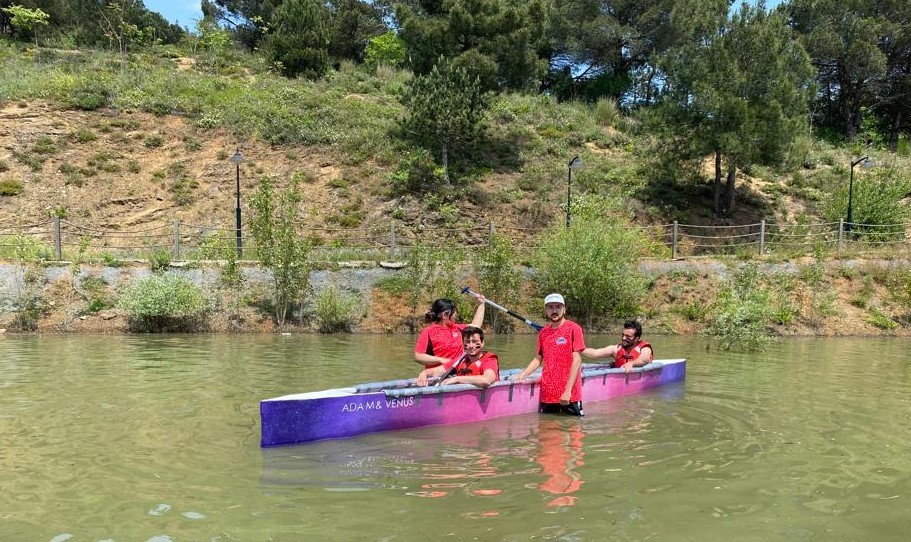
pixel 10 187
pixel 160 259
pixel 591 264
pixel 337 311
pixel 878 211
pixel 164 302
pixel 607 112
pixel 498 277
pixel 89 95
pixel 743 311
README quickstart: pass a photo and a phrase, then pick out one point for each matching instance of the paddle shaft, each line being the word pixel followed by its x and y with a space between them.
pixel 453 369
pixel 501 308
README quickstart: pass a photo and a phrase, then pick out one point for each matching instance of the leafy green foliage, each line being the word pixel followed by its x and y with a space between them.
pixel 280 245
pixel 878 207
pixel 737 89
pixel 592 264
pixel 743 311
pixel 159 260
pixel 164 302
pixel 337 311
pixel 498 278
pixel 299 38
pixel 10 187
pixel 418 173
pixel 444 110
pixel 386 49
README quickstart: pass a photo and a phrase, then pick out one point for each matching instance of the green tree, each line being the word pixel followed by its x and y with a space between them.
pixel 737 90
pixel 843 37
pixel 499 35
pixel 444 110
pixel 386 49
pixel 352 24
pixel 279 244
pixel 26 20
pixel 298 39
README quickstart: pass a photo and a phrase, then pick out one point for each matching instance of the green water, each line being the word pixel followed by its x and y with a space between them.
pixel 145 438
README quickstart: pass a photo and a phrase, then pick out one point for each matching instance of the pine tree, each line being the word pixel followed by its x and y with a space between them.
pixel 299 38
pixel 444 110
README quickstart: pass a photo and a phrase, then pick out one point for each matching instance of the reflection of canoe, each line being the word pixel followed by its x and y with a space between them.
pixel 386 406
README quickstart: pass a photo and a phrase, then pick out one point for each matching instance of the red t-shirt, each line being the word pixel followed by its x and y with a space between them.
pixel 556 347
pixel 440 340
pixel 488 360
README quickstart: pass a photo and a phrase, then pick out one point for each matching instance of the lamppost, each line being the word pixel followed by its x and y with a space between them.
pixel 237 159
pixel 865 163
pixel 575 163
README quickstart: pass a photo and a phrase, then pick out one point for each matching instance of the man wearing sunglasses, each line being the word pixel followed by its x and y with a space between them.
pixel 631 352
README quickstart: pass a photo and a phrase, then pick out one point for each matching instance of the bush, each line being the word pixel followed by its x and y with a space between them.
pixel 743 311
pixel 592 265
pixel 164 302
pixel 607 112
pixel 499 278
pixel 10 187
pixel 337 311
pixel 878 210
pixel 160 259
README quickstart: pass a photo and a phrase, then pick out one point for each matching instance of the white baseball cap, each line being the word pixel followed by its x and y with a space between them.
pixel 554 298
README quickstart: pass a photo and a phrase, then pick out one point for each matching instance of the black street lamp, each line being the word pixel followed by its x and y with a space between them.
pixel 575 163
pixel 237 159
pixel 865 161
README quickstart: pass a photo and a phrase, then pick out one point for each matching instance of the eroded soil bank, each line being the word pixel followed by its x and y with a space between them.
pixel 832 298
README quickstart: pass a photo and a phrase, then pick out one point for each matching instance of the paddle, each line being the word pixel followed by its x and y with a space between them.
pixel 452 369
pixel 536 326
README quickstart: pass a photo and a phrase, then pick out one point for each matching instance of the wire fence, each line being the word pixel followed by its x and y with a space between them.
pixel 62 240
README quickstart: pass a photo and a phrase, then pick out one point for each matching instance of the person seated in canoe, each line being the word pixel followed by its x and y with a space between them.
pixel 631 352
pixel 560 344
pixel 441 341
pixel 475 367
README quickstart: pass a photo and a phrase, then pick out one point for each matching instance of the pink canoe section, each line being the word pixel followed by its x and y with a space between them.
pixel 345 412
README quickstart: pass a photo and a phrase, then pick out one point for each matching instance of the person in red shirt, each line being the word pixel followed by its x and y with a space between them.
pixel 631 352
pixel 560 344
pixel 475 367
pixel 441 341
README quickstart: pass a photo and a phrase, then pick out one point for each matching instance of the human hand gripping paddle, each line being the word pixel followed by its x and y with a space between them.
pixel 452 370
pixel 535 325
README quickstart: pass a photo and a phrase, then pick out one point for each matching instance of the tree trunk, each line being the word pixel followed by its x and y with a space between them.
pixel 730 193
pixel 716 186
pixel 893 133
pixel 445 164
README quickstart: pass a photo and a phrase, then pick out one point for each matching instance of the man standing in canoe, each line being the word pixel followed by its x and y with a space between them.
pixel 476 367
pixel 441 341
pixel 630 353
pixel 560 344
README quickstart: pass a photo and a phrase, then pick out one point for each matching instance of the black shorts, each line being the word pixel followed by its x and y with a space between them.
pixel 572 409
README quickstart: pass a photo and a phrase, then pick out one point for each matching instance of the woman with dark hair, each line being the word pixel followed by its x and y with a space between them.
pixel 441 341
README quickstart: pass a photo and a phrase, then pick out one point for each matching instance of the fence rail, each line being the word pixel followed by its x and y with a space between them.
pixel 62 240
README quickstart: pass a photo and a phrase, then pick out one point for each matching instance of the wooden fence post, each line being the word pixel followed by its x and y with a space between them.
pixel 762 237
pixel 58 241
pixel 841 228
pixel 674 244
pixel 177 239
pixel 392 247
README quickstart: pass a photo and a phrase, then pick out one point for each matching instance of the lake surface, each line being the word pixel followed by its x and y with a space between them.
pixel 156 438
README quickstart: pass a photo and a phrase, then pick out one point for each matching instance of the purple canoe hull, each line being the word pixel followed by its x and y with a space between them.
pixel 346 412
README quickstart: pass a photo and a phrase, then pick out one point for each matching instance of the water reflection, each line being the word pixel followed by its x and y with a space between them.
pixel 560 454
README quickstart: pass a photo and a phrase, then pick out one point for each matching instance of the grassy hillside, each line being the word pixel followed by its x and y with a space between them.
pixel 114 142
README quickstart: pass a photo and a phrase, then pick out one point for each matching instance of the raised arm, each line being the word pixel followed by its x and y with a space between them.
pixel 478 319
